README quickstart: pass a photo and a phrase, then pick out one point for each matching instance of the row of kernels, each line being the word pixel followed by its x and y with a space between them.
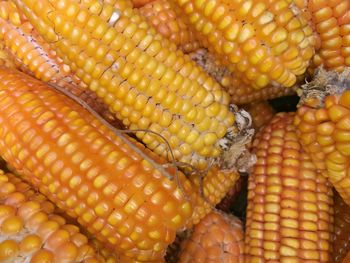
pixel 214 106
pixel 289 215
pixel 244 40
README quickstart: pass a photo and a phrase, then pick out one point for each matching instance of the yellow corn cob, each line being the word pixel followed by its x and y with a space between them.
pixel 341 237
pixel 290 212
pixel 29 232
pixel 227 203
pixel 261 113
pixel 214 187
pixel 32 55
pixel 142 77
pixel 120 192
pixel 161 15
pixel 218 237
pixel 267 42
pixel 241 93
pixel 322 122
pixel 331 21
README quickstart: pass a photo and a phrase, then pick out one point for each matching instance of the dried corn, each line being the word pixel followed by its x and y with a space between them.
pixel 32 55
pixel 290 213
pixel 29 232
pixel 240 92
pixel 323 128
pixel 218 237
pixel 121 192
pixel 144 80
pixel 331 21
pixel 341 237
pixel 267 42
pixel 162 16
pixel 227 202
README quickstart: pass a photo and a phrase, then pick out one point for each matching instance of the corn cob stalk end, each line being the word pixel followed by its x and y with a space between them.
pixel 235 154
pixel 324 83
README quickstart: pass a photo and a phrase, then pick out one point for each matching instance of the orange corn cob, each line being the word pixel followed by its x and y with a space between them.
pixel 119 191
pixel 29 232
pixel 331 21
pixel 32 55
pixel 341 237
pixel 161 15
pixel 218 237
pixel 261 113
pixel 323 128
pixel 145 81
pixel 290 212
pixel 240 92
pixel 265 42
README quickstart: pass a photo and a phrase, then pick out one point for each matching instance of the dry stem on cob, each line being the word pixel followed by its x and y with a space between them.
pixel 323 126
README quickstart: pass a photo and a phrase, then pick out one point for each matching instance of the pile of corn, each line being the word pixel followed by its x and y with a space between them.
pixel 125 125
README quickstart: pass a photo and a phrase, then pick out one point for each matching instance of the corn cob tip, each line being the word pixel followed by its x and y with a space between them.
pixel 235 154
pixel 324 83
pixel 218 237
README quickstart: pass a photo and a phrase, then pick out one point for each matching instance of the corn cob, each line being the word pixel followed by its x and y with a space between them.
pixel 331 21
pixel 214 187
pixel 322 122
pixel 32 55
pixel 290 213
pixel 29 232
pixel 60 216
pixel 166 92
pixel 161 15
pixel 240 92
pixel 227 202
pixel 216 238
pixel 261 113
pixel 266 42
pixel 341 237
pixel 120 192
